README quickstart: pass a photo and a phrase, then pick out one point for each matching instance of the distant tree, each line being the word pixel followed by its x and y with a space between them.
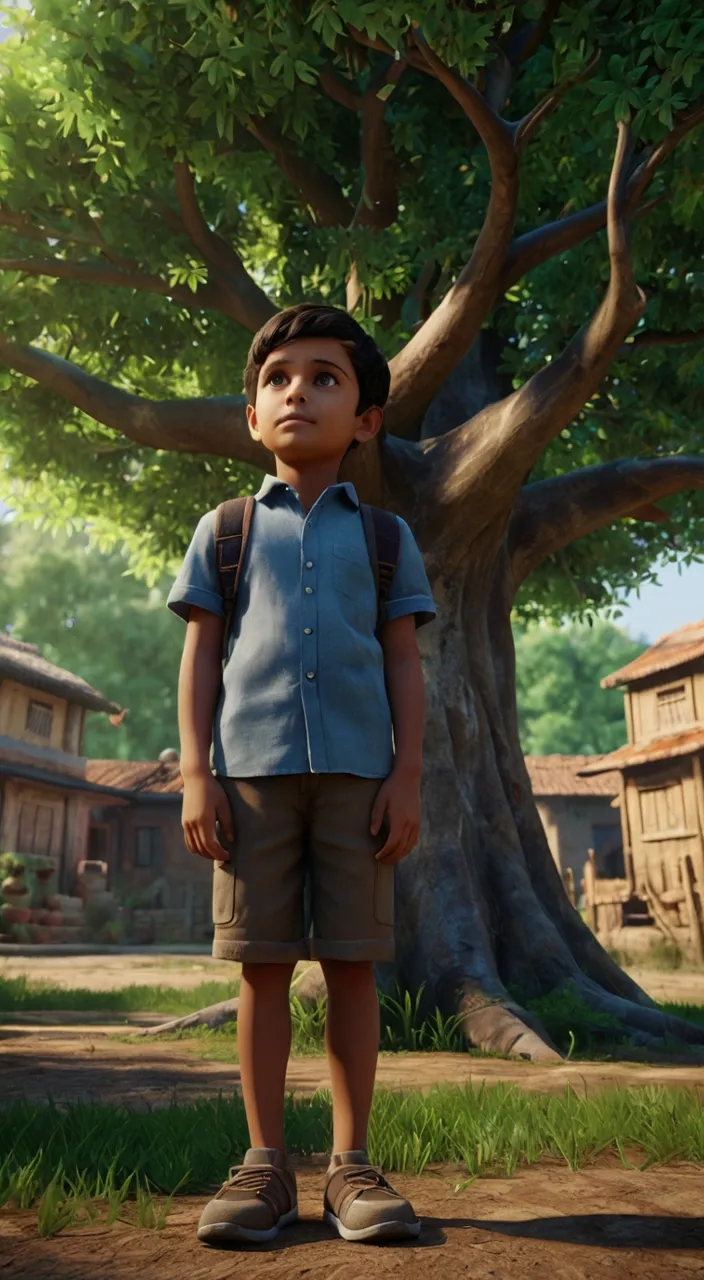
pixel 561 705
pixel 88 614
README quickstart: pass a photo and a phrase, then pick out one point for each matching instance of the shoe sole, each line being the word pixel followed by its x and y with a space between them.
pixel 222 1232
pixel 378 1231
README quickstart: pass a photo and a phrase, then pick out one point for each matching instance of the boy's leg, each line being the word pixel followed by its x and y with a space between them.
pixel 264 1045
pixel 352 1045
pixel 353 927
pixel 258 918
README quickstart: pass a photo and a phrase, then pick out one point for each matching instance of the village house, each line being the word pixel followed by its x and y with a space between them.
pixel 577 814
pixel 44 795
pixel 122 818
pixel 661 796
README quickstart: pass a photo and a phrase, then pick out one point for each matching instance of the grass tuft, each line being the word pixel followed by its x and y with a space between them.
pixel 19 995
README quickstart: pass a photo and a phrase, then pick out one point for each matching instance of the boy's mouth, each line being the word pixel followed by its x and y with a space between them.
pixel 294 417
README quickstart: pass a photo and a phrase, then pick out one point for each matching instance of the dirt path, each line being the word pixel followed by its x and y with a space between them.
pixel 109 972
pixel 88 1063
pixel 606 1223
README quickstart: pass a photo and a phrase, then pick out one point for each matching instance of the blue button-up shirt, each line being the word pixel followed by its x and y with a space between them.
pixel 303 685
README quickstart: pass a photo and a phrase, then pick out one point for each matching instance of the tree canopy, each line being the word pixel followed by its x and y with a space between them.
pixel 561 705
pixel 172 173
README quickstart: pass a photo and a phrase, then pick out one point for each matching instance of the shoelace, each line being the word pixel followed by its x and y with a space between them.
pixel 250 1179
pixel 366 1176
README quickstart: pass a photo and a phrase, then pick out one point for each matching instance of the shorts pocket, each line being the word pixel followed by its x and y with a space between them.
pixel 383 892
pixel 224 887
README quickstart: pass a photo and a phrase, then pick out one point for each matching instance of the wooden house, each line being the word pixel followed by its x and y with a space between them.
pixel 661 794
pixel 123 815
pixel 44 795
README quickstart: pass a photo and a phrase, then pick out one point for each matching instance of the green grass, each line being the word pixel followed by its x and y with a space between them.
pixel 86 1153
pixel 575 1028
pixel 20 995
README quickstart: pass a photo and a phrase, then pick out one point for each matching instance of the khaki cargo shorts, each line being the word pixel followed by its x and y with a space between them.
pixel 286 826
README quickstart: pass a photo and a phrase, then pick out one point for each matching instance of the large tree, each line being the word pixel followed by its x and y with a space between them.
pixel 463 177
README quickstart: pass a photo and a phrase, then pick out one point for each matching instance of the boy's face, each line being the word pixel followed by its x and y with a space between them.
pixel 306 409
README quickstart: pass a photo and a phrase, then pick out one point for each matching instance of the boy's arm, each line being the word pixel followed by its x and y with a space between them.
pixel 200 676
pixel 399 796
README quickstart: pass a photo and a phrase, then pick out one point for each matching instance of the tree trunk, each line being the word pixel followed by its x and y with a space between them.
pixel 481 906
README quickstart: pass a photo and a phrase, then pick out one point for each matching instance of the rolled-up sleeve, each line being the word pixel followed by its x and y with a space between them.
pixel 410 589
pixel 198 583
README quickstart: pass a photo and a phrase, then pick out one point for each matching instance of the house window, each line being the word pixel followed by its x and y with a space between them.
pixel 35 828
pixel 662 809
pixel 40 716
pixel 672 707
pixel 148 846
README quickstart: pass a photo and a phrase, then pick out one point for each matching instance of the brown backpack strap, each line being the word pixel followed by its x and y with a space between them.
pixel 383 534
pixel 232 523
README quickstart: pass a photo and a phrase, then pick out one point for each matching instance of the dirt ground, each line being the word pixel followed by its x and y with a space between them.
pixel 109 972
pixel 77 1062
pixel 605 1223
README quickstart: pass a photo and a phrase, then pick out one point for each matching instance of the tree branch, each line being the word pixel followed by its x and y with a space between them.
pixel 318 190
pixel 522 44
pixel 488 457
pixel 250 305
pixel 212 295
pixel 532 121
pixel 553 513
pixel 530 250
pixel 378 206
pixel 432 353
pixel 535 247
pixel 210 424
pixel 659 338
pixel 336 89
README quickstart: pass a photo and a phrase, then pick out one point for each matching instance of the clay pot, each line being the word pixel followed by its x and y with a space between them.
pixel 54 919
pixel 15 915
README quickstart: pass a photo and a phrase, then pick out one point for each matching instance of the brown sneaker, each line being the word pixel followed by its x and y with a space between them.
pixel 361 1205
pixel 258 1198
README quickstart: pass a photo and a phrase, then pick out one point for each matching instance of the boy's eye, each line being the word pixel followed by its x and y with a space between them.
pixel 271 380
pixel 330 379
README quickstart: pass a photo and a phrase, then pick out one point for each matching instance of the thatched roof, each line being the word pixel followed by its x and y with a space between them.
pixel 24 663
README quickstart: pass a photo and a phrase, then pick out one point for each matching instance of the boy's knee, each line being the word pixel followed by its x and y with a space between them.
pixel 261 973
pixel 347 971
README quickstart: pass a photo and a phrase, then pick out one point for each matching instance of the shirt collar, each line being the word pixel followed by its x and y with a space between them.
pixel 271 483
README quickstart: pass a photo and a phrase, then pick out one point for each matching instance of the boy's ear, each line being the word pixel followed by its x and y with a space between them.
pixel 369 424
pixel 252 422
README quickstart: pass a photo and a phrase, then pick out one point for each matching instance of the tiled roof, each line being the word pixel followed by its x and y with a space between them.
pixel 140 776
pixel 560 776
pixel 677 744
pixel 24 663
pixel 671 650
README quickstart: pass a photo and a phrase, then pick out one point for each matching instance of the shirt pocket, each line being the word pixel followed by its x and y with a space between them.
pixel 351 571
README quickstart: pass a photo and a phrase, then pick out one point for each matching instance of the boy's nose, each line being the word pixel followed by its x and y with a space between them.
pixel 296 395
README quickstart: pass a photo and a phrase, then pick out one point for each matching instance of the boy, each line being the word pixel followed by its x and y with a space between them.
pixel 301 714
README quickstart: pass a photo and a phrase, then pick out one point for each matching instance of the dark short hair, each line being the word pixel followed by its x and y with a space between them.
pixel 310 320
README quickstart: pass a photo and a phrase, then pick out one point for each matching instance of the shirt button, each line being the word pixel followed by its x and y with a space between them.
pixel 310 675
pixel 307 631
pixel 309 591
pixel 309 564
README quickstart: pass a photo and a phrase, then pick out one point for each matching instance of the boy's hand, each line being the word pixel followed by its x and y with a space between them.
pixel 398 802
pixel 204 802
